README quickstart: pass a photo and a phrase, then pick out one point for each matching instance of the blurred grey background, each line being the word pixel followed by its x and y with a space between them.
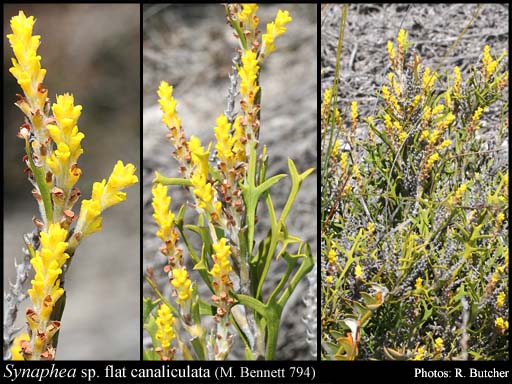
pixel 92 51
pixel 191 47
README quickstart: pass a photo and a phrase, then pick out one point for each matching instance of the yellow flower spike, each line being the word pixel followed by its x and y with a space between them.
pixel 165 332
pixel 354 112
pixel 222 266
pixel 329 279
pixel 168 107
pixel 26 66
pixel 162 215
pixel 500 300
pixel 437 109
pixel 428 80
pixel 391 52
pixel 331 256
pixel 105 195
pixel 248 73
pixel 501 325
pixel 438 344
pixel 358 272
pixel 445 144
pixel 500 218
pixel 182 284
pixel 460 191
pixel 457 80
pixel 47 264
pixel 419 284
pixel 344 162
pixel 420 354
pixel 402 41
pixel 371 227
pixel 488 64
pixel 432 160
pixel 274 29
pixel 225 141
pixel 477 114
pixel 16 349
pixel 248 16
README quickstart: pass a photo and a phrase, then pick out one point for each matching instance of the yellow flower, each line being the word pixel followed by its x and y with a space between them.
pixel 182 283
pixel 460 191
pixel 457 81
pixel 354 112
pixel 105 195
pixel 432 160
pixel 329 279
pixel 228 147
pixel 434 136
pixel 391 52
pixel 371 227
pixel 248 73
pixel 420 354
pixel 168 105
pixel 438 344
pixel 500 218
pixel 445 144
pixel 240 137
pixel 222 266
pixel 248 16
pixel 476 115
pixel 47 265
pixel 501 325
pixel 162 215
pixel 164 321
pixel 489 65
pixel 26 66
pixel 500 301
pixel 336 149
pixel 344 162
pixel 358 271
pixel 402 136
pixel 419 283
pixel 16 346
pixel 331 256
pixel 402 41
pixel 274 29
pixel 428 80
pixel 437 109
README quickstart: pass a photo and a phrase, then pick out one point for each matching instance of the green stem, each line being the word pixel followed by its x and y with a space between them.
pixel 42 186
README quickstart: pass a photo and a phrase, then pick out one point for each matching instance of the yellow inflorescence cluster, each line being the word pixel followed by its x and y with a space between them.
pixel 27 64
pixel 229 148
pixel 274 29
pixel 248 73
pixel 222 266
pixel 47 265
pixel 104 195
pixel 164 217
pixel 66 136
pixel 183 285
pixel 165 333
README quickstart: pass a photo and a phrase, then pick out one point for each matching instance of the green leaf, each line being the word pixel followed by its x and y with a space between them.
pixel 171 180
pixel 147 307
pixel 151 327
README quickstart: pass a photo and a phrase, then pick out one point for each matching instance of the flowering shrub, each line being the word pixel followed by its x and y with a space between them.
pixel 226 180
pixel 52 149
pixel 414 217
